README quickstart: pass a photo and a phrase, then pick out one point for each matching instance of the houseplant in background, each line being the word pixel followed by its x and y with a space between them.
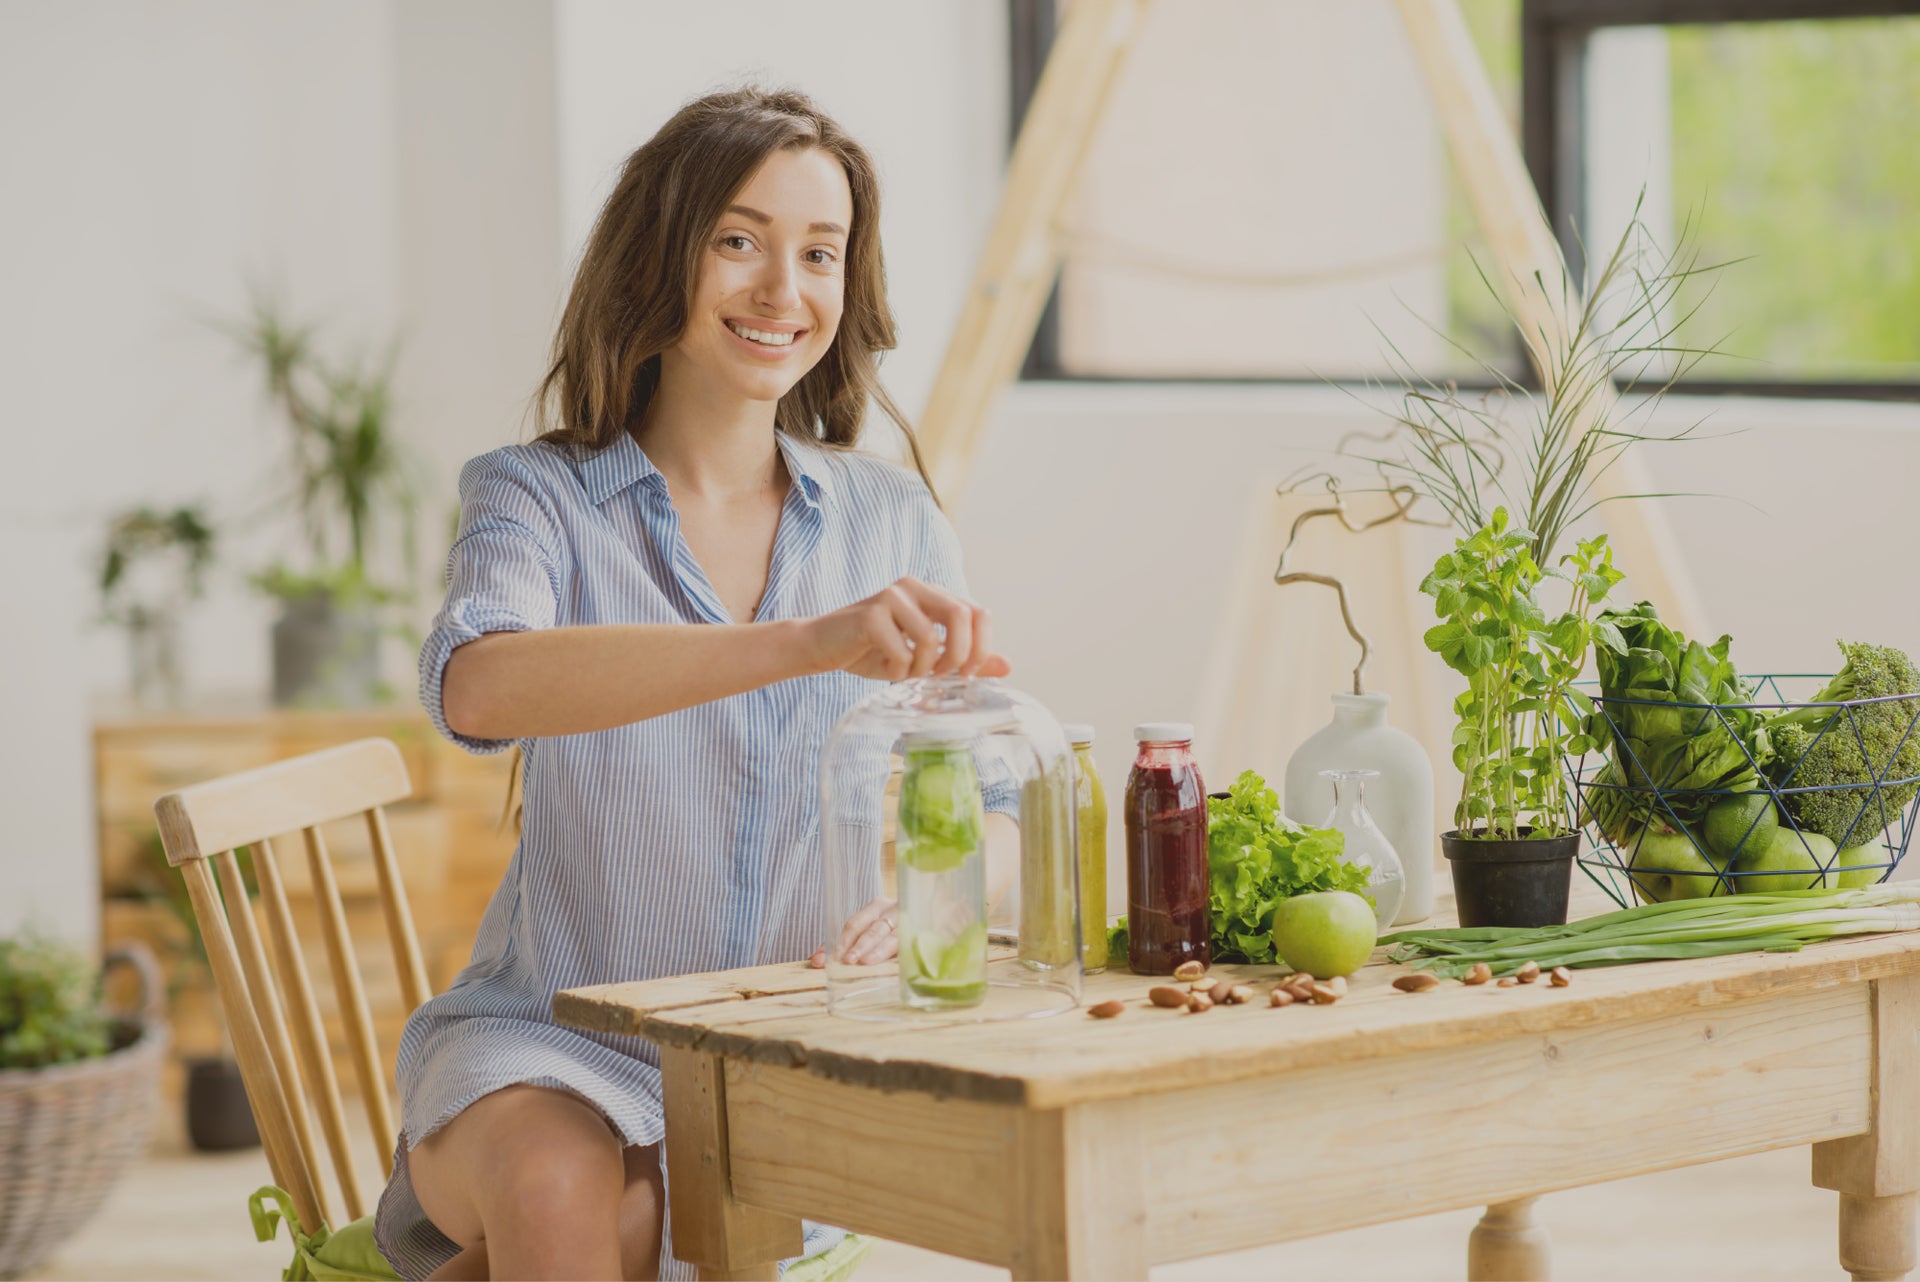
pixel 76 1091
pixel 154 562
pixel 1516 832
pixel 352 491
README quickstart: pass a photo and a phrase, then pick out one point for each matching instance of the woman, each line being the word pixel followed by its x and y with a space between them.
pixel 715 359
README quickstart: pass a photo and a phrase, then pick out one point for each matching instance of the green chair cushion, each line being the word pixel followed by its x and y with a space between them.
pixel 323 1255
pixel 835 1264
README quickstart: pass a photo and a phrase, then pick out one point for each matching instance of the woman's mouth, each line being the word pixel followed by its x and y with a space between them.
pixel 765 338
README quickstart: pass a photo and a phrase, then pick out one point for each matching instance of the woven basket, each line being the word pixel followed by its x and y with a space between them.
pixel 66 1132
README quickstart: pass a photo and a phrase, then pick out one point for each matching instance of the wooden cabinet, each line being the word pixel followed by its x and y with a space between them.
pixel 448 838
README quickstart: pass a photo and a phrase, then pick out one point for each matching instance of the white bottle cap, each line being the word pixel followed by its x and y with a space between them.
pixel 1078 732
pixel 1163 732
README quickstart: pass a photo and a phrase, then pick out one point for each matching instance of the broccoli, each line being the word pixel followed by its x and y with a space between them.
pixel 1807 758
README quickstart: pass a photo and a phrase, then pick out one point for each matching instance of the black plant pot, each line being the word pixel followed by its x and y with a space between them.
pixel 218 1116
pixel 1523 882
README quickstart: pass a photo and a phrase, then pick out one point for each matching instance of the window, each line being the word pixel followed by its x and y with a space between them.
pixel 1268 197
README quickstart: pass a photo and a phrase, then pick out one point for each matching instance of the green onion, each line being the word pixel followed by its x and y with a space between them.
pixel 1784 921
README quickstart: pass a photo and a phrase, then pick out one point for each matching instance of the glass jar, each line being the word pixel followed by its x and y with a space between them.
pixel 1167 884
pixel 1090 818
pixel 985 799
pixel 1366 846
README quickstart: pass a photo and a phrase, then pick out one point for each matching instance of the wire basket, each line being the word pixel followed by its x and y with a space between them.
pixel 1650 841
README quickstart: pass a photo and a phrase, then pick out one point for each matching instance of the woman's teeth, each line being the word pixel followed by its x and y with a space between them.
pixel 762 336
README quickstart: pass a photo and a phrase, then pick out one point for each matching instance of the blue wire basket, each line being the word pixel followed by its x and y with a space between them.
pixel 1648 840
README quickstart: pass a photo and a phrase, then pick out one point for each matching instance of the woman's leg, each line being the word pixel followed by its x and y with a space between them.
pixel 535 1175
pixel 641 1210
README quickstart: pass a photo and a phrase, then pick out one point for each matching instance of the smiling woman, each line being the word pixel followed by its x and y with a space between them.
pixel 664 602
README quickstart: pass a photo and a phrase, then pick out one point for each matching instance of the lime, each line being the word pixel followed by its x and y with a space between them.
pixel 1328 933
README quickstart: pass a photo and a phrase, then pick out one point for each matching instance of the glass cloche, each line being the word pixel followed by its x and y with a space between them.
pixel 947 829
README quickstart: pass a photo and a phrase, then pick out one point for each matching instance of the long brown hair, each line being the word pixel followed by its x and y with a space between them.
pixel 634 287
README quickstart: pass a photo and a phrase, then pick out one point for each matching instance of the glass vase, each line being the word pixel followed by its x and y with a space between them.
pixel 1367 846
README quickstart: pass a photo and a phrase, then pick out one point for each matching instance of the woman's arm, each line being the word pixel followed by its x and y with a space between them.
pixel 560 681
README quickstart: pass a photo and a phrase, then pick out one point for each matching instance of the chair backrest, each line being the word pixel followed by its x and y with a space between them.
pixel 267 996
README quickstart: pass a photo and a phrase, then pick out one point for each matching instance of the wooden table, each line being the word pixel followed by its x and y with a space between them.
pixel 1077 1148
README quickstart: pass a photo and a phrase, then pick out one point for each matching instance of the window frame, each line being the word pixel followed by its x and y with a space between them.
pixel 1553 42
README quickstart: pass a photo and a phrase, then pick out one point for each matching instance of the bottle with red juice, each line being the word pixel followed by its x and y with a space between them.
pixel 1167 883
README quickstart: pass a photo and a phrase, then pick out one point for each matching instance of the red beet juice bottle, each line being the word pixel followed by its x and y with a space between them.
pixel 1167 920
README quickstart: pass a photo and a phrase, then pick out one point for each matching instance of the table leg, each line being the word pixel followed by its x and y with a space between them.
pixel 1877 1174
pixel 1085 1197
pixel 723 1238
pixel 1508 1245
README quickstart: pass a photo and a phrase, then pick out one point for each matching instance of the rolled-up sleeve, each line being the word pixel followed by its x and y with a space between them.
pixel 503 574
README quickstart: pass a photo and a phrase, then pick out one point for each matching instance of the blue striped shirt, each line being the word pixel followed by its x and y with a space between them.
pixel 688 842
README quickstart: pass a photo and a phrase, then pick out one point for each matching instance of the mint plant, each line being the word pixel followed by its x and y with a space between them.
pixel 1519 715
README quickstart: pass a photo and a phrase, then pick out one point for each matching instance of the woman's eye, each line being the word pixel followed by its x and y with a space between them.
pixel 740 243
pixel 822 257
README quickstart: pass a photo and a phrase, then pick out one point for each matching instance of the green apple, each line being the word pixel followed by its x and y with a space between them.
pixel 1327 933
pixel 1873 853
pixel 1669 865
pixel 1790 861
pixel 1740 822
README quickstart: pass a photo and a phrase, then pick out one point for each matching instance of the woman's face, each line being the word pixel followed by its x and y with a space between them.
pixel 768 300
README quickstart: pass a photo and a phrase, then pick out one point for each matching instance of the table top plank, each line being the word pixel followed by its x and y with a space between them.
pixel 778 1015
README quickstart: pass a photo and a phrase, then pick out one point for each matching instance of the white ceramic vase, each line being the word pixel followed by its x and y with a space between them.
pixel 1401 800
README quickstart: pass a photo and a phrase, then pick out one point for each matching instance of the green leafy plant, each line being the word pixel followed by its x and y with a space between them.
pixel 348 464
pixel 142 534
pixel 1519 715
pixel 50 1009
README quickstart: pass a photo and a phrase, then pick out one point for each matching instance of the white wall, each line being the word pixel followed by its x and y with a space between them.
pixel 387 168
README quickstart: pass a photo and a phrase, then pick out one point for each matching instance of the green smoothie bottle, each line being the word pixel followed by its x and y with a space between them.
pixel 1090 822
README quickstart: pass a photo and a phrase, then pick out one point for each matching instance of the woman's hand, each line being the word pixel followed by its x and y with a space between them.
pixel 906 630
pixel 870 935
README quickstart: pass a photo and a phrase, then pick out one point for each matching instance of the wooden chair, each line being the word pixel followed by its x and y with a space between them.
pixel 269 1005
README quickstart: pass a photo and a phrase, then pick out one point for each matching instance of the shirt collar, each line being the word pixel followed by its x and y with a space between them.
pixel 606 472
pixel 807 463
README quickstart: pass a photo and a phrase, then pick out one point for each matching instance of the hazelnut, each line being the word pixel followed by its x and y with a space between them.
pixel 1190 970
pixel 1107 1009
pixel 1418 982
pixel 1561 977
pixel 1528 973
pixel 1480 974
pixel 1508 981
pixel 1166 995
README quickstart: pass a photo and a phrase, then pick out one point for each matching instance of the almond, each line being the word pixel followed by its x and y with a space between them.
pixel 1528 973
pixel 1166 995
pixel 1106 1010
pixel 1326 994
pixel 1418 982
pixel 1281 997
pixel 1240 994
pixel 1190 970
pixel 1338 984
pixel 1508 981
pixel 1204 984
pixel 1561 977
pixel 1199 1003
pixel 1480 974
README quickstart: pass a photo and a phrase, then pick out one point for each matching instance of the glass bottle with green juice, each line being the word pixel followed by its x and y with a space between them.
pixel 942 872
pixel 1090 804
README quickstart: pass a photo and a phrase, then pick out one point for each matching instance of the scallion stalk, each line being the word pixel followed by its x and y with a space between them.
pixel 1783 921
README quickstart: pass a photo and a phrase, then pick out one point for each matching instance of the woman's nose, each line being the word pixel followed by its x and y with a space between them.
pixel 778 287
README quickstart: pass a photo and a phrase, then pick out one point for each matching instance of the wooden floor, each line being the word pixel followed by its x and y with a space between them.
pixel 180 1215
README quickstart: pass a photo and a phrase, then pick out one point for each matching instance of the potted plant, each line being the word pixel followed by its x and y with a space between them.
pixel 351 486
pixel 1516 831
pixel 76 1091
pixel 152 564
